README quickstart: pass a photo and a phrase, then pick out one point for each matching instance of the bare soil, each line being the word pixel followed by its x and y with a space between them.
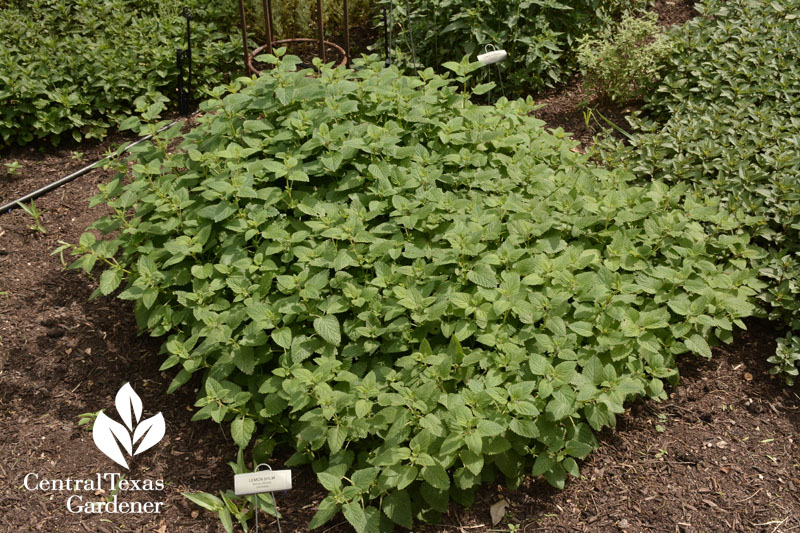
pixel 721 454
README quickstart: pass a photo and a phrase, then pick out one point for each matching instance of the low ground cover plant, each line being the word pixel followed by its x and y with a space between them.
pixel 540 36
pixel 622 62
pixel 76 67
pixel 725 121
pixel 415 293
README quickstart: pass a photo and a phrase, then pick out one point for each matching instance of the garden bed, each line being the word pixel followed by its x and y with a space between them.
pixel 719 454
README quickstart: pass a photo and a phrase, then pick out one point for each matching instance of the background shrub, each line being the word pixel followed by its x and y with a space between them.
pixel 76 66
pixel 540 36
pixel 726 122
pixel 623 60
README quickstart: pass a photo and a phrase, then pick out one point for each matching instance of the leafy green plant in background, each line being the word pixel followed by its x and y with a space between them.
pixel 622 61
pixel 539 36
pixel 415 293
pixel 725 121
pixel 75 67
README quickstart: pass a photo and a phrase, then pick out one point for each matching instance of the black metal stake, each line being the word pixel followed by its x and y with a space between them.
pixel 188 15
pixel 347 32
pixel 183 106
pixel 387 59
pixel 243 18
pixel 320 31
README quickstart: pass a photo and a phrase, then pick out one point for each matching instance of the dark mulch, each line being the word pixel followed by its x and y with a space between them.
pixel 721 454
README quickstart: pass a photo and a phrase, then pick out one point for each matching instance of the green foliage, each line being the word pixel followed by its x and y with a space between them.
pixel 34 213
pixel 726 121
pixel 416 293
pixel 88 419
pixel 229 506
pixel 12 167
pixel 786 360
pixel 622 62
pixel 77 66
pixel 539 36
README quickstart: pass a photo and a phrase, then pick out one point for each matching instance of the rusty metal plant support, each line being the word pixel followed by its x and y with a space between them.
pixel 322 43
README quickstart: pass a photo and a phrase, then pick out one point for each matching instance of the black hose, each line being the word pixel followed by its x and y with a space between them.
pixel 78 173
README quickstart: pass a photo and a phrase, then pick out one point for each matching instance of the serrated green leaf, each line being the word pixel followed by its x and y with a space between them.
pixel 242 431
pixel 524 428
pixel 282 337
pixel 110 280
pixel 584 329
pixel 698 345
pixel 328 508
pixel 397 506
pixel 483 276
pixel 354 513
pixel 328 328
pixel 436 476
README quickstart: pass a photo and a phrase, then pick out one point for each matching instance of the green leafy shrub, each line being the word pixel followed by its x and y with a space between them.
pixel 76 66
pixel 726 121
pixel 622 63
pixel 415 293
pixel 539 36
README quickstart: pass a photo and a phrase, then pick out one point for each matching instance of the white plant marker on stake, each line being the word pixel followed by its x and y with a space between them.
pixel 494 56
pixel 256 483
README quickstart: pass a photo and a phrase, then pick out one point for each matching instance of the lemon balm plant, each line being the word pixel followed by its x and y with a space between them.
pixel 415 293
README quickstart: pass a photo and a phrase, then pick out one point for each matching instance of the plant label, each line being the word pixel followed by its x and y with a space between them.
pixel 264 481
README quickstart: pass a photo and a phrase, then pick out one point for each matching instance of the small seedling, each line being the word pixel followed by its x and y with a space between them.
pixel 113 493
pixel 587 117
pixel 662 419
pixel 77 156
pixel 12 167
pixel 36 214
pixel 88 418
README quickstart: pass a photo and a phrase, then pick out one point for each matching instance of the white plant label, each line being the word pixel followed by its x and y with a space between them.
pixel 263 481
pixel 112 438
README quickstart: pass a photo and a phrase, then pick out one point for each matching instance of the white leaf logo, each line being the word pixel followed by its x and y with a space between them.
pixel 109 435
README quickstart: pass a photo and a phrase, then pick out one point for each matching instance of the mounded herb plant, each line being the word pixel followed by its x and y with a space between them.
pixel 415 293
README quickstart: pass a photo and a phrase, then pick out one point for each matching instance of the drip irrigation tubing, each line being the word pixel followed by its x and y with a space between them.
pixel 78 173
